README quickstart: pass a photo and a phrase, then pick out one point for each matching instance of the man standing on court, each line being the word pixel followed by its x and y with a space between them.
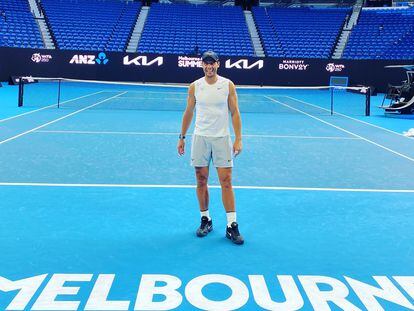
pixel 214 98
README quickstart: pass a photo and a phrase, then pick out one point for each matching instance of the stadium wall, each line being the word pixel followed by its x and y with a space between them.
pixel 116 66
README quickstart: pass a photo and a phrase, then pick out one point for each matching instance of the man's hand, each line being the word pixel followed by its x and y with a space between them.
pixel 237 147
pixel 180 146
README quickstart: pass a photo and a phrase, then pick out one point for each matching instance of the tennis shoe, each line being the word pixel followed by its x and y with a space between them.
pixel 233 234
pixel 206 226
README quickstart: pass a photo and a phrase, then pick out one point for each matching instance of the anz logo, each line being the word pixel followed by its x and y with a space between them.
pixel 101 59
pixel 143 61
pixel 244 64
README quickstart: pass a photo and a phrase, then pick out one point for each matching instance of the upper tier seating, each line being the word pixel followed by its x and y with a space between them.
pixel 187 29
pixel 18 27
pixel 91 24
pixel 382 34
pixel 299 32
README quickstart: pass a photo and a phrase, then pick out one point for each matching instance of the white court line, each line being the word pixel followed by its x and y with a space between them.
pixel 32 184
pixel 174 134
pixel 56 120
pixel 153 98
pixel 303 137
pixel 146 92
pixel 32 111
pixel 344 115
pixel 342 129
pixel 107 132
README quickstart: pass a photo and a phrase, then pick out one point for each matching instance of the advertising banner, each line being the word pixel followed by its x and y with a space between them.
pixel 134 67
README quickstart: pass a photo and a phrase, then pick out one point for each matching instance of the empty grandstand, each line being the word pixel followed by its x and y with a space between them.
pixel 301 32
pixel 91 24
pixel 18 28
pixel 382 34
pixel 186 28
pixel 282 30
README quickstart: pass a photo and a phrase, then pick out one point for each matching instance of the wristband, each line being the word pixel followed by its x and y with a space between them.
pixel 181 136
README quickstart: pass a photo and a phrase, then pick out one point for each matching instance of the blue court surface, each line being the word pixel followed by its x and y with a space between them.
pixel 98 212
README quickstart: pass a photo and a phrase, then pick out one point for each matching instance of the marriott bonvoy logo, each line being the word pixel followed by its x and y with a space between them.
pixel 293 64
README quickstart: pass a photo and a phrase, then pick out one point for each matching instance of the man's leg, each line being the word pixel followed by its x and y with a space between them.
pixel 203 200
pixel 202 188
pixel 227 195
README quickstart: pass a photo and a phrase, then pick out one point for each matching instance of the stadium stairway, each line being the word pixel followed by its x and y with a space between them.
pixel 138 28
pixel 44 29
pixel 347 29
pixel 254 35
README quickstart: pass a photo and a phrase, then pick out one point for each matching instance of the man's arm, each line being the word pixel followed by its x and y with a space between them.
pixel 187 118
pixel 236 119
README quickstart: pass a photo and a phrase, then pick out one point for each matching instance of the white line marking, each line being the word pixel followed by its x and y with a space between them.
pixel 32 184
pixel 161 134
pixel 341 129
pixel 56 120
pixel 32 111
pixel 107 132
pixel 344 115
pixel 303 137
pixel 153 98
pixel 143 92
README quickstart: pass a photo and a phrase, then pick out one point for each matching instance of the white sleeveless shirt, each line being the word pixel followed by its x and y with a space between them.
pixel 212 110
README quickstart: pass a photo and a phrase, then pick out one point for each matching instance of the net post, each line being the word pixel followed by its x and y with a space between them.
pixel 368 102
pixel 332 100
pixel 20 96
pixel 58 100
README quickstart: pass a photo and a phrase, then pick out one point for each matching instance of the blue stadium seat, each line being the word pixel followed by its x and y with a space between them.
pixel 180 28
pixel 18 27
pixel 382 34
pixel 299 32
pixel 91 24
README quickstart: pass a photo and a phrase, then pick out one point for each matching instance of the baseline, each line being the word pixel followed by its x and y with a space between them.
pixel 274 188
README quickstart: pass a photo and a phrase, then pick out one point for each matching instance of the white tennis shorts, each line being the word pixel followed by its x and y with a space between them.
pixel 205 148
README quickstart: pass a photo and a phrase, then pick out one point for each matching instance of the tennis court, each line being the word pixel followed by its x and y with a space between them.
pixel 95 197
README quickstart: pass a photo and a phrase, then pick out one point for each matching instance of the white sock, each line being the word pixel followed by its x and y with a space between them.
pixel 231 217
pixel 205 213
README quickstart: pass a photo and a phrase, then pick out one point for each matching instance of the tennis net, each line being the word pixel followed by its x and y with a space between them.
pixel 85 94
